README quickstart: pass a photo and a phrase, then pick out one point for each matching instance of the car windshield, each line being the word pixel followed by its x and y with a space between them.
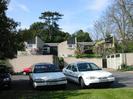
pixel 87 67
pixel 46 68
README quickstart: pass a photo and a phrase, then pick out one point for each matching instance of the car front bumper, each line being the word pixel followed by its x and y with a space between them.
pixel 96 81
pixel 46 83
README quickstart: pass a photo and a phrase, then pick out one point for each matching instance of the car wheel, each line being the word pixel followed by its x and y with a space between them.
pixel 82 84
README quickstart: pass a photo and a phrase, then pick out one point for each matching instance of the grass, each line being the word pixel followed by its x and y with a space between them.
pixel 120 93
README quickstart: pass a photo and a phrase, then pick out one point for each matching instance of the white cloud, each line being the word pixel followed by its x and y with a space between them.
pixel 98 5
pixel 23 7
pixel 14 5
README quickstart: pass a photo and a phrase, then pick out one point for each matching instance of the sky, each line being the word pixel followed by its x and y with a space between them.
pixel 78 14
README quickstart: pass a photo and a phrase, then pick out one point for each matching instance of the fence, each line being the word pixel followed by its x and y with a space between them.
pixel 116 60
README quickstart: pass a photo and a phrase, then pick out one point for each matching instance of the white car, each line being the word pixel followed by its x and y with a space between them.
pixel 85 74
pixel 46 74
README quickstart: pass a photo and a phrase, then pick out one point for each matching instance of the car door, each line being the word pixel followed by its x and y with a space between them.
pixel 74 73
pixel 67 71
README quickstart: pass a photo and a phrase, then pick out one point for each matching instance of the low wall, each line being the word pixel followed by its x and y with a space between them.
pixel 129 59
pixel 97 61
pixel 26 61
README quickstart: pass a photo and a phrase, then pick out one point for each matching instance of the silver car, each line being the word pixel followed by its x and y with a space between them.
pixel 46 74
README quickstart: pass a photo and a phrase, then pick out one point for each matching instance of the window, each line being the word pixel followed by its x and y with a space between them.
pixel 74 69
pixel 42 68
pixel 87 67
pixel 69 67
pixel 108 56
pixel 117 55
pixel 84 67
pixel 112 56
pixel 94 67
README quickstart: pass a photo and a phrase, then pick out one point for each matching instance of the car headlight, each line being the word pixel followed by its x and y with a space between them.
pixel 6 79
pixel 92 77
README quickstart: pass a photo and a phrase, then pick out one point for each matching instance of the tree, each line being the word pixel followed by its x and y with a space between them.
pixel 82 36
pixel 51 19
pixel 103 27
pixel 121 20
pixel 7 33
pixel 118 20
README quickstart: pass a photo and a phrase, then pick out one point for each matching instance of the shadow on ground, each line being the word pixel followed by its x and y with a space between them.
pixel 21 89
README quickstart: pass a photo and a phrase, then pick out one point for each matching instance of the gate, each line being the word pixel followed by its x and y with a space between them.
pixel 115 61
pixel 104 63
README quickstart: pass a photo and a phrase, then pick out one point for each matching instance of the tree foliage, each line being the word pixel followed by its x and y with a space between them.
pixel 8 39
pixel 48 30
pixel 82 36
pixel 117 20
pixel 50 20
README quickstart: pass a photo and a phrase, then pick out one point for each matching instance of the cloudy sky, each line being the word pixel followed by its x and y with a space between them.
pixel 78 14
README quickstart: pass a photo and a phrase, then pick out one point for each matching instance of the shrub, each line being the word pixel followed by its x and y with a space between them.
pixel 61 62
pixel 125 67
pixel 87 56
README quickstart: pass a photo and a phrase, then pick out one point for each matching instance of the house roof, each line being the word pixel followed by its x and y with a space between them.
pixel 86 43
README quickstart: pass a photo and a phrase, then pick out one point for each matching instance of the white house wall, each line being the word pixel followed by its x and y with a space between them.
pixel 64 50
pixel 39 42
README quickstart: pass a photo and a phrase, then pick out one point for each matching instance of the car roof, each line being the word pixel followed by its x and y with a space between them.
pixel 43 64
pixel 78 62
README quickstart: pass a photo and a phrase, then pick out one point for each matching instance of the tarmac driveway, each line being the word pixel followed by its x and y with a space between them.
pixel 123 79
pixel 21 86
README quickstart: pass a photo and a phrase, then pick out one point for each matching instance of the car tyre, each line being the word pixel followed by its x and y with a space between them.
pixel 82 84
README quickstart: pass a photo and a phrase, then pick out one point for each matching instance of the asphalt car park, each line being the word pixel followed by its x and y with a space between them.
pixel 123 79
pixel 22 88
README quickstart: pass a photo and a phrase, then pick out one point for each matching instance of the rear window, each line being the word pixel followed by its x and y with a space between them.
pixel 46 68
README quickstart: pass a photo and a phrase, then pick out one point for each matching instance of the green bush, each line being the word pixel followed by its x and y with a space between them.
pixel 61 62
pixel 2 62
pixel 125 67
pixel 87 56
